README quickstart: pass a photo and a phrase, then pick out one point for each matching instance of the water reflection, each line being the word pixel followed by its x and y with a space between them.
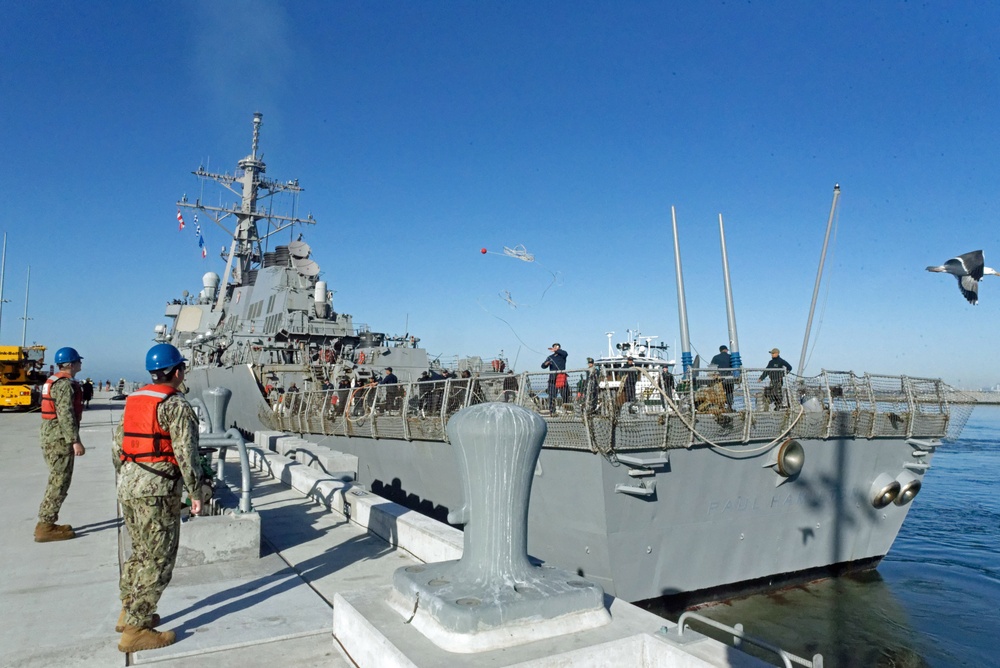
pixel 852 620
pixel 933 600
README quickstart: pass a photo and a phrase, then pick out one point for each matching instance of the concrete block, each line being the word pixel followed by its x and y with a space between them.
pixel 421 536
pixel 426 539
pixel 285 444
pixel 213 539
pixel 266 439
pixel 333 463
pixel 374 634
pixel 320 487
pixel 228 537
pixel 362 639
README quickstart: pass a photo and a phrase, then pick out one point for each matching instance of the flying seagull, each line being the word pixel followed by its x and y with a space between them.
pixel 968 268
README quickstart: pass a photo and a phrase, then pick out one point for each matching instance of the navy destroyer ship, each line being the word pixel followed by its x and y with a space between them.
pixel 650 483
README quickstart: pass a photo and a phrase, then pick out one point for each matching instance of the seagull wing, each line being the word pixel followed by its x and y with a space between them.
pixel 956 266
pixel 970 288
pixel 973 263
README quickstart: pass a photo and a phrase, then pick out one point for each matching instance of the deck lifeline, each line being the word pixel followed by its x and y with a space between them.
pixel 59 601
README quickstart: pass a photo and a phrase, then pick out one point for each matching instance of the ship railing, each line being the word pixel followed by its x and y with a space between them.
pixel 643 408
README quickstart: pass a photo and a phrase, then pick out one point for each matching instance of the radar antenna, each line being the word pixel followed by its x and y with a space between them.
pixel 245 251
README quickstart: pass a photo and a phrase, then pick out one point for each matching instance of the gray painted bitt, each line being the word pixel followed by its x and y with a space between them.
pixel 494 585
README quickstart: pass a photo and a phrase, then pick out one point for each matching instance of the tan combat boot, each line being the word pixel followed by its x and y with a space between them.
pixel 46 532
pixel 138 638
pixel 120 626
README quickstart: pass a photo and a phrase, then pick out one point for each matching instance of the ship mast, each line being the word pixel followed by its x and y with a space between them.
pixel 681 302
pixel 245 250
pixel 734 341
pixel 819 277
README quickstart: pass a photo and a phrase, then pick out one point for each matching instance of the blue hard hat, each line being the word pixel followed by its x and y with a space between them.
pixel 163 356
pixel 67 355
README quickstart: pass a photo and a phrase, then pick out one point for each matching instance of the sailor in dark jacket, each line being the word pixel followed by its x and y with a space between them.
pixel 630 374
pixel 725 361
pixel 431 391
pixel 392 391
pixel 556 362
pixel 773 393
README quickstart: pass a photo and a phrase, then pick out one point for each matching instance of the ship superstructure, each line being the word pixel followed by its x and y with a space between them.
pixel 270 309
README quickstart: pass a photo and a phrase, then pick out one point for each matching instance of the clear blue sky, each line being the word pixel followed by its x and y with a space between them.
pixel 423 132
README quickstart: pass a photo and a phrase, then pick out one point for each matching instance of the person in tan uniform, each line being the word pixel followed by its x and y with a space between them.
pixel 155 456
pixel 62 408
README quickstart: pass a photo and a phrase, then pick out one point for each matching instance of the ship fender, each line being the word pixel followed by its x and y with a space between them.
pixel 884 490
pixel 909 487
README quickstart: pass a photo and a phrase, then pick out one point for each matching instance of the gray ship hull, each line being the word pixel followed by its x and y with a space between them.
pixel 701 518
pixel 733 528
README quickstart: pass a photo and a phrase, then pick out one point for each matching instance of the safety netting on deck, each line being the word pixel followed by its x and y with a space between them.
pixel 641 408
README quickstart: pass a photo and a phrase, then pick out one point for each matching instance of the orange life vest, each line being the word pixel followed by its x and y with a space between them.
pixel 49 406
pixel 144 438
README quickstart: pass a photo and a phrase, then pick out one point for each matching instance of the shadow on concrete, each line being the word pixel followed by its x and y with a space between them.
pixel 246 595
pixel 394 492
pixel 94 527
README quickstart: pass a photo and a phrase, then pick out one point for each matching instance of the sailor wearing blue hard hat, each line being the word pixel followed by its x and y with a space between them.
pixel 67 355
pixel 163 356
pixel 156 458
pixel 62 409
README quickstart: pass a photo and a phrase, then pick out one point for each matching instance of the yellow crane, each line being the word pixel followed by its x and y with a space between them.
pixel 22 373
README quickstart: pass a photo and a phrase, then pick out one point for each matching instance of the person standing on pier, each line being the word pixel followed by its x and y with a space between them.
pixel 155 456
pixel 62 409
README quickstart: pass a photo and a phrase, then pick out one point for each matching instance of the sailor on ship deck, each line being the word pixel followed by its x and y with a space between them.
pixel 392 390
pixel 724 361
pixel 773 393
pixel 556 362
pixel 592 385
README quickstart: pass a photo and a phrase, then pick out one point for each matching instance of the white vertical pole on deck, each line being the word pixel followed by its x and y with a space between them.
pixel 819 276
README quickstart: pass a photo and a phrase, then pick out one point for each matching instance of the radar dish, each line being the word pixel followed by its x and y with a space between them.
pixel 306 267
pixel 299 249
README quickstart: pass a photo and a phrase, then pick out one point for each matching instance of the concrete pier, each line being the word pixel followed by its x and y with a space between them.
pixel 316 595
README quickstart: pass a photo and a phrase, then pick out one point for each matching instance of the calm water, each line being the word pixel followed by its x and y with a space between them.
pixel 935 598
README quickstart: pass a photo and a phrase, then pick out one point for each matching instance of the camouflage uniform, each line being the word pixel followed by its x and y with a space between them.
pixel 57 438
pixel 151 505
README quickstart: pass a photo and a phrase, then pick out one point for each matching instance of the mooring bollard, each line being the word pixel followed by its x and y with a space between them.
pixel 493 596
pixel 215 402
